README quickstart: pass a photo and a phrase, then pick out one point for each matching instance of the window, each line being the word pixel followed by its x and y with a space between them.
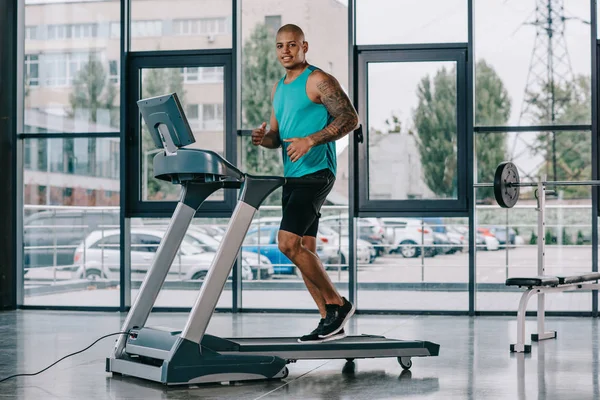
pixel 211 74
pixel 187 25
pixel 192 112
pixel 212 117
pixel 412 21
pixel 27 154
pixel 107 242
pixel 202 75
pixel 147 243
pixel 190 74
pixel 146 28
pixel 31 33
pixel 273 22
pixel 115 30
pixel 60 69
pixel 206 26
pixel 113 71
pixel 32 70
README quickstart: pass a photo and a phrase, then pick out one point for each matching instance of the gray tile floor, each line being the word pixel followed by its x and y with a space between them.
pixel 474 361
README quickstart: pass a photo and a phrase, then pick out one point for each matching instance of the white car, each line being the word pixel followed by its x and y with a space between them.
pixel 101 258
pixel 335 249
pixel 260 264
pixel 409 235
pixel 332 248
pixel 368 229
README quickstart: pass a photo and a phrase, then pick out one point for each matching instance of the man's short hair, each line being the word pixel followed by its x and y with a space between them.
pixel 292 28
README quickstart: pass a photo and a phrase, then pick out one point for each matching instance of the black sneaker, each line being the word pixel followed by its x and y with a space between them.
pixel 336 318
pixel 314 335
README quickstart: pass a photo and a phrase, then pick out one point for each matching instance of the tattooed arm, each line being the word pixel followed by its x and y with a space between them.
pixel 328 92
pixel 324 89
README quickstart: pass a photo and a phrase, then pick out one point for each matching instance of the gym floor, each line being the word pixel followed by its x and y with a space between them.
pixel 474 360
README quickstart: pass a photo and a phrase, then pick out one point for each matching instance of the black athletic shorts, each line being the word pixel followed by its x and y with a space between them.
pixel 301 204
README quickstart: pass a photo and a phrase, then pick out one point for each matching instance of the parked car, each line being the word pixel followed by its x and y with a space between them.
pixel 265 241
pixel 370 230
pixel 445 243
pixel 506 237
pixel 98 256
pixel 332 248
pixel 335 249
pixel 410 235
pixel 260 264
pixel 51 237
pixel 482 241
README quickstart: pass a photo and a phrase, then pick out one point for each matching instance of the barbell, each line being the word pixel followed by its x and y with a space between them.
pixel 507 184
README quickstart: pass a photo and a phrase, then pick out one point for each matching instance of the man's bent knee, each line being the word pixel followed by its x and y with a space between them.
pixel 289 243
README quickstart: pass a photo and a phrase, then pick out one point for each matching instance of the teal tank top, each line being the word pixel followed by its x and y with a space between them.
pixel 298 116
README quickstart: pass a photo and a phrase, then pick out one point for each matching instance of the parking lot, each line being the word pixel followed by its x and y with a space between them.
pixel 492 267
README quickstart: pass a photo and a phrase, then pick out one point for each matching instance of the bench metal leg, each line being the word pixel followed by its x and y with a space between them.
pixel 542 334
pixel 520 346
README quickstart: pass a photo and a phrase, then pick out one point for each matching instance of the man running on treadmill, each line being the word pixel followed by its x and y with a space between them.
pixel 310 112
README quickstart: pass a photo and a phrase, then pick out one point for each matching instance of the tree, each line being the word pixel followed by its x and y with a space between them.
pixel 157 82
pixel 259 73
pixel 92 91
pixel 435 128
pixel 492 107
pixel 563 151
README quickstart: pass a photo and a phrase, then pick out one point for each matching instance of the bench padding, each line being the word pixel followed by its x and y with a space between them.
pixel 553 280
pixel 592 276
pixel 533 281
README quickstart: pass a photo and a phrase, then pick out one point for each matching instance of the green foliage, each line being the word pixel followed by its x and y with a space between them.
pixel 436 131
pixel 533 239
pixel 566 237
pixel 571 149
pixel 492 107
pixel 260 72
pixel 157 82
pixel 436 135
pixel 92 91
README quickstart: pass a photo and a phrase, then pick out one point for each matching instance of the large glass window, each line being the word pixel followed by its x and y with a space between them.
pixel 71 192
pixel 191 263
pixel 68 85
pixel 412 263
pixel 276 276
pixel 411 21
pixel 535 61
pixel 203 103
pixel 515 231
pixel 326 33
pixel 412 130
pixel 325 25
pixel 180 24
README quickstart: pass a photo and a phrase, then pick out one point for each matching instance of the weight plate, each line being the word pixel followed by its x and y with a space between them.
pixel 506 195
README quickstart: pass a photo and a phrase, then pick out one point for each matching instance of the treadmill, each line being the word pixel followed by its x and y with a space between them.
pixel 191 356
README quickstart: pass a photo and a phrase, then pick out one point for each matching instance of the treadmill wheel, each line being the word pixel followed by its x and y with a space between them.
pixel 286 372
pixel 405 362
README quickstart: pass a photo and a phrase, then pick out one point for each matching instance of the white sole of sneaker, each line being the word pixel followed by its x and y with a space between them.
pixel 350 314
pixel 334 336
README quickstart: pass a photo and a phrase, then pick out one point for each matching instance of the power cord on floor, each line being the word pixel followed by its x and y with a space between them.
pixel 69 355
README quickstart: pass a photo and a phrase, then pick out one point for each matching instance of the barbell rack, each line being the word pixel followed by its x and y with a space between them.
pixel 544 183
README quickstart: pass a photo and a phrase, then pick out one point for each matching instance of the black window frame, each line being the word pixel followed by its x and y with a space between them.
pixel 135 206
pixel 414 207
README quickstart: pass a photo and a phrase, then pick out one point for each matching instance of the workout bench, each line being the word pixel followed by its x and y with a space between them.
pixel 507 186
pixel 540 285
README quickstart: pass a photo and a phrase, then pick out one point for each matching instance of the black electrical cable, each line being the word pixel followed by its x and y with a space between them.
pixel 69 355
